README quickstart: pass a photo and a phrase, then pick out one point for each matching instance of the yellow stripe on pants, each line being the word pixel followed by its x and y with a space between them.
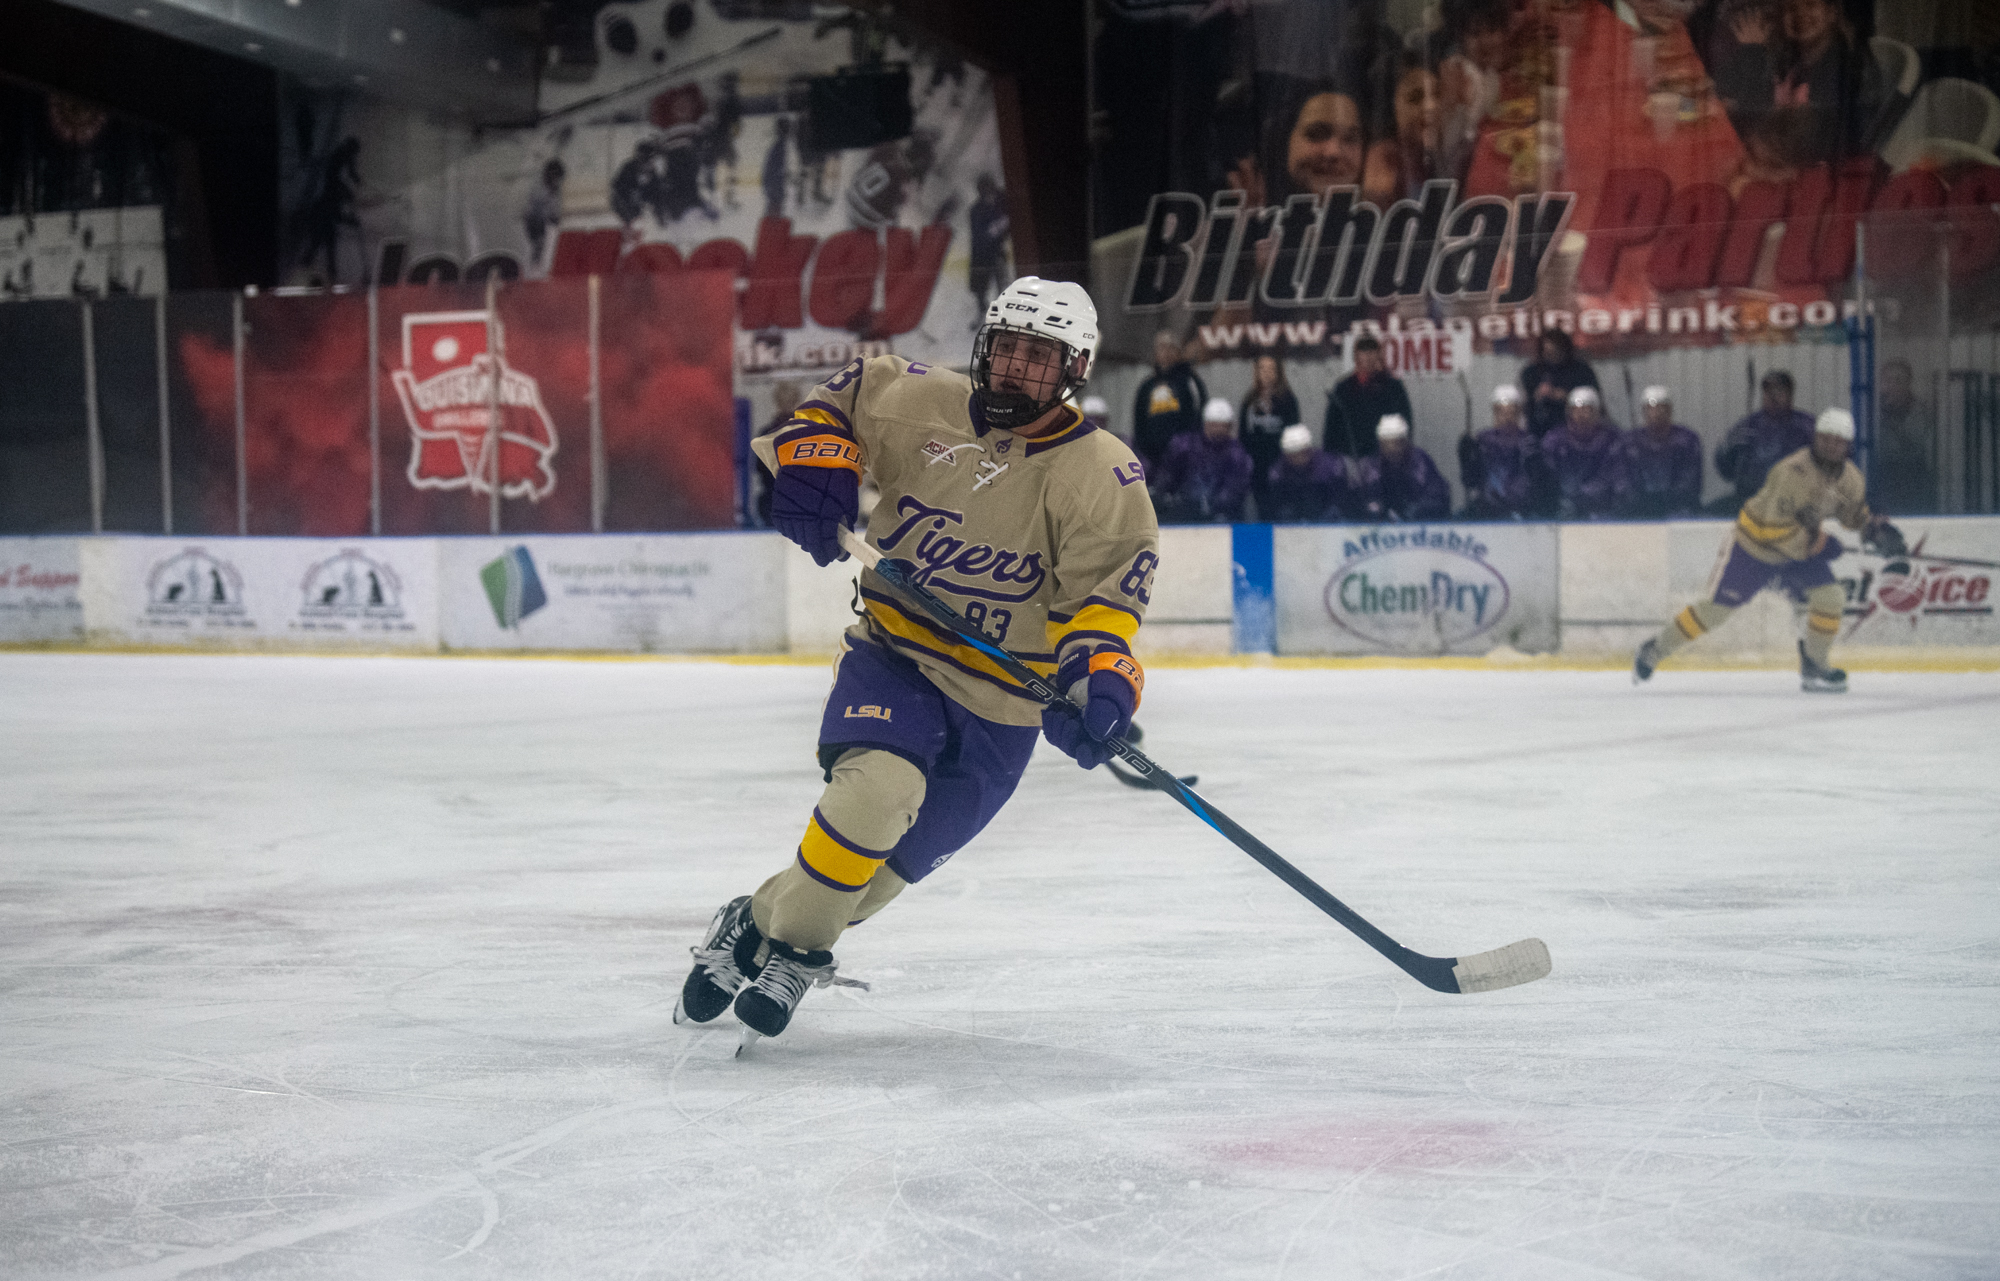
pixel 835 863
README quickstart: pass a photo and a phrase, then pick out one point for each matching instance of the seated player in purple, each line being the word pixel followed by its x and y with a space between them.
pixel 1756 443
pixel 1206 476
pixel 1400 483
pixel 1580 461
pixel 1498 466
pixel 1306 483
pixel 1660 463
pixel 1778 541
pixel 1035 525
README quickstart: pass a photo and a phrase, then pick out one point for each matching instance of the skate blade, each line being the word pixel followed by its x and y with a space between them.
pixel 749 1038
pixel 680 1013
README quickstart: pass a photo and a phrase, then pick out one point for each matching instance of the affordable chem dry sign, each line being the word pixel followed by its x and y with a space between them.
pixel 1415 589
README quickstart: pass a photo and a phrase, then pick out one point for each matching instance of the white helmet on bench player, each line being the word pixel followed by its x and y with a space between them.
pixel 1055 325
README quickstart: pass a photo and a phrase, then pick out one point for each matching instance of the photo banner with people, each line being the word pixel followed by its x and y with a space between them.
pixel 1641 174
pixel 847 171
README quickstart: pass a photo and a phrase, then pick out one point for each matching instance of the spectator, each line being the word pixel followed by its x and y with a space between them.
pixel 1580 461
pixel 1905 480
pixel 1498 466
pixel 1401 483
pixel 1548 381
pixel 1406 153
pixel 1097 412
pixel 1362 399
pixel 1755 444
pixel 1306 483
pixel 1206 475
pixel 1267 411
pixel 1168 403
pixel 1798 58
pixel 1659 463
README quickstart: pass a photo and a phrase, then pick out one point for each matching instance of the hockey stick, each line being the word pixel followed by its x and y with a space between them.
pixel 1134 736
pixel 1521 962
pixel 1917 555
pixel 1130 779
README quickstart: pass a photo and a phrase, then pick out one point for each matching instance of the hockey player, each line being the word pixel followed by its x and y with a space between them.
pixel 1036 526
pixel 1498 467
pixel 1778 539
pixel 1659 463
pixel 1580 461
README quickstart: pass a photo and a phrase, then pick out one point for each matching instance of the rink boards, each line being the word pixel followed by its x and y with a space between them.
pixel 1416 591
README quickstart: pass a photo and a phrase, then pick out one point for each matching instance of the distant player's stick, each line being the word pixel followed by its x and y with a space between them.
pixel 1942 560
pixel 1521 962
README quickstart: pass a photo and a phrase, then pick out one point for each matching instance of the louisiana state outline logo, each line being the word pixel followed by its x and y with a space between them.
pixel 447 388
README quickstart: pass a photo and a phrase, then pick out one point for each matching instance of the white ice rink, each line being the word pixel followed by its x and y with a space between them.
pixel 359 968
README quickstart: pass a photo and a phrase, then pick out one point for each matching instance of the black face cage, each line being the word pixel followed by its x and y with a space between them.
pixel 1066 356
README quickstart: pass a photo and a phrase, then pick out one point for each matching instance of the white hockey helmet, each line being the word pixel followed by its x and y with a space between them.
pixel 1392 427
pixel 1835 422
pixel 1058 310
pixel 1584 395
pixel 1295 439
pixel 1656 395
pixel 1506 394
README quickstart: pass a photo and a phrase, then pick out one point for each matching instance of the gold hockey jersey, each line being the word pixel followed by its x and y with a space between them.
pixel 1781 521
pixel 1047 544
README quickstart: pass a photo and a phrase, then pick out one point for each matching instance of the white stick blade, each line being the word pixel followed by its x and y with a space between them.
pixel 1508 966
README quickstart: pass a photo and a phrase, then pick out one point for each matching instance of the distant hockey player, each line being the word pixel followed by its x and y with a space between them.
pixel 1498 466
pixel 1778 540
pixel 1401 482
pixel 1306 483
pixel 1580 461
pixel 1029 520
pixel 1206 475
pixel 1659 463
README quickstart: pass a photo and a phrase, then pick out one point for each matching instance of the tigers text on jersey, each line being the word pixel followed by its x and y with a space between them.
pixel 1047 544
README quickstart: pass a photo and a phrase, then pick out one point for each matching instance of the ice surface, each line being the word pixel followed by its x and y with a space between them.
pixel 352 968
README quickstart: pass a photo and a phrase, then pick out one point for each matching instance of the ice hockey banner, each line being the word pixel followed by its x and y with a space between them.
pixel 1641 175
pixel 713 147
pixel 444 369
pixel 1418 590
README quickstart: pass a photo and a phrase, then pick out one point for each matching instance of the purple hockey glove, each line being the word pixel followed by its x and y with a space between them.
pixel 1107 686
pixel 810 504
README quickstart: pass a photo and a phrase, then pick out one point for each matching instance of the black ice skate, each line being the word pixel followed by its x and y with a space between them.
pixel 765 1006
pixel 1814 679
pixel 1645 661
pixel 725 961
